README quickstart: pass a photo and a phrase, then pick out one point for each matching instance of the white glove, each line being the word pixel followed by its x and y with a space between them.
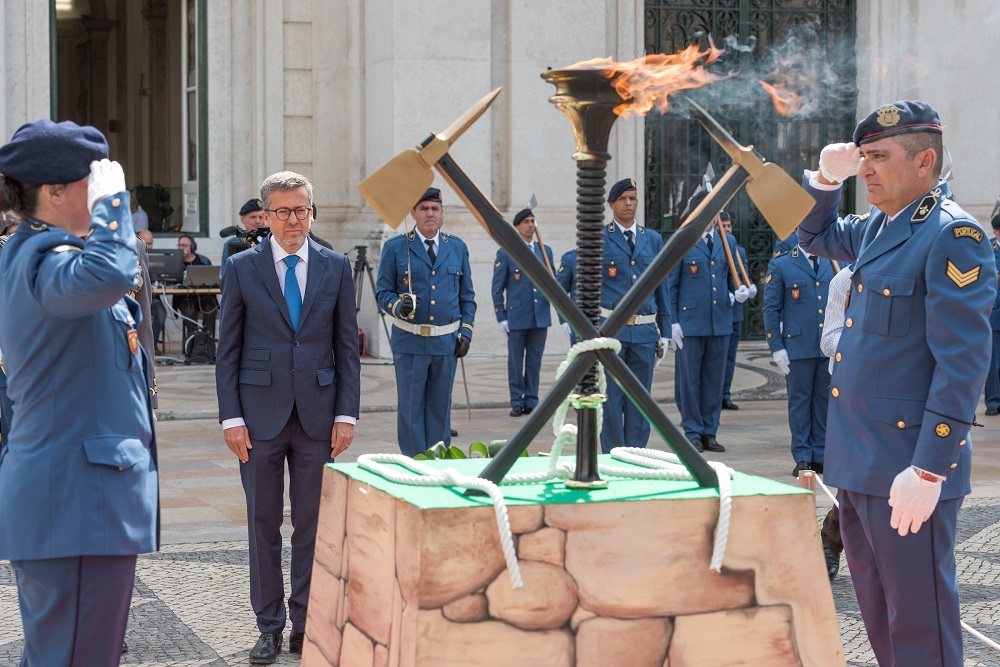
pixel 781 359
pixel 505 328
pixel 568 329
pixel 742 294
pixel 677 335
pixel 661 351
pixel 732 298
pixel 912 500
pixel 106 178
pixel 838 162
pixel 753 290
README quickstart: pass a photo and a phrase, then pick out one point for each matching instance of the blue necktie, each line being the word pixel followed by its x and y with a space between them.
pixel 293 298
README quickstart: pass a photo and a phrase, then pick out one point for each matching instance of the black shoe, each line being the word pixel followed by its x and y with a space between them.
pixel 295 641
pixel 266 650
pixel 696 442
pixel 729 405
pixel 992 411
pixel 454 433
pixel 800 466
pixel 124 647
pixel 711 444
pixel 516 411
pixel 832 562
pixel 526 410
pixel 818 467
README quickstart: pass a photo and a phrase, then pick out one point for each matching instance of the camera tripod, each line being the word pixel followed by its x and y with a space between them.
pixel 361 265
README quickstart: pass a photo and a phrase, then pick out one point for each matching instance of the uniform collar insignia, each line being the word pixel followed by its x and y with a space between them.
pixel 35 225
pixel 795 251
pixel 924 208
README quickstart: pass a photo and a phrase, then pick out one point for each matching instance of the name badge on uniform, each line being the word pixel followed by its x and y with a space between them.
pixel 795 294
pixel 517 275
pixel 133 341
pixel 612 271
pixel 693 269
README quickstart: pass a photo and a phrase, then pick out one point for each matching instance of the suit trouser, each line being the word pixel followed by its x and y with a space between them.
pixel 74 610
pixel 907 587
pixel 703 362
pixel 423 393
pixel 263 478
pixel 734 341
pixel 808 384
pixel 993 379
pixel 624 425
pixel 524 365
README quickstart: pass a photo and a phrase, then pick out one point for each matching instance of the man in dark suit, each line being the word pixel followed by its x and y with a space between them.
pixel 283 395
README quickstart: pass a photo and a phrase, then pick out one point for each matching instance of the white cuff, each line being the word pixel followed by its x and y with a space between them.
pixel 345 419
pixel 814 182
pixel 234 421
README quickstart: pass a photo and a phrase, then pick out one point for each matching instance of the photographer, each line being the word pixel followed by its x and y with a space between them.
pixel 251 217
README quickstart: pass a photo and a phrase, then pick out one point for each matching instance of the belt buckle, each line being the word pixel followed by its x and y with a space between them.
pixel 632 320
pixel 425 330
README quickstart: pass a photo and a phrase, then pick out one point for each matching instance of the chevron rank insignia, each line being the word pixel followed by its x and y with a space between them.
pixel 924 208
pixel 962 278
pixel 968 232
pixel 768 279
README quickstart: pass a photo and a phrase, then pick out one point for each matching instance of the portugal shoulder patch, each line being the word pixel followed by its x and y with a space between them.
pixel 968 231
pixel 962 278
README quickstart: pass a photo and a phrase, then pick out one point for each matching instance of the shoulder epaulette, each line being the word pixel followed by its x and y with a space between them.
pixel 780 252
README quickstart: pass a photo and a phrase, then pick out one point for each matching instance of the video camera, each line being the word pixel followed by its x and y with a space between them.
pixel 247 237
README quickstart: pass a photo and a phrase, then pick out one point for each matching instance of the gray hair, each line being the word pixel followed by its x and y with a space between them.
pixel 284 180
pixel 917 142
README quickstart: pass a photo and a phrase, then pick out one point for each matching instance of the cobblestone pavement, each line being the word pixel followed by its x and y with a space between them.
pixel 191 604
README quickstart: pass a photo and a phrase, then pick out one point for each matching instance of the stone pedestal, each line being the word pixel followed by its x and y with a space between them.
pixel 414 577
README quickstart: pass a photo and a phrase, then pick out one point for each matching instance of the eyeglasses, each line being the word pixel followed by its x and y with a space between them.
pixel 183 245
pixel 283 214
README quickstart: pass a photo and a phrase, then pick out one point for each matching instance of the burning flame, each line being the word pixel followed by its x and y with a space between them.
pixel 786 102
pixel 647 82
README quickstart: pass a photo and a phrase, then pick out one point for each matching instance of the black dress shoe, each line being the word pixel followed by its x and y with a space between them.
pixel 832 562
pixel 124 647
pixel 266 650
pixel 992 411
pixel 818 467
pixel 696 442
pixel 729 405
pixel 526 410
pixel 800 466
pixel 711 444
pixel 516 411
pixel 295 641
pixel 454 433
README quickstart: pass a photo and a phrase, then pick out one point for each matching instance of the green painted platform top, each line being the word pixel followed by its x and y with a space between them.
pixel 553 492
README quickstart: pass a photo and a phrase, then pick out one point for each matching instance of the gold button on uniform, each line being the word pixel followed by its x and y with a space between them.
pixel 433 287
pixel 901 424
pixel 885 291
pixel 961 442
pixel 835 392
pixel 859 287
pixel 954 465
pixel 633 262
pixel 433 302
pixel 433 273
pixel 817 283
pixel 819 298
pixel 849 323
pixel 113 226
pixel 838 357
pixel 116 202
pixel 431 318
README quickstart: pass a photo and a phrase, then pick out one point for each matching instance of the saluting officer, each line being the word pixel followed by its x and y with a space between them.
pixel 78 480
pixel 524 317
pixel 795 292
pixel 628 249
pixel 701 300
pixel 425 284
pixel 908 371
pixel 566 277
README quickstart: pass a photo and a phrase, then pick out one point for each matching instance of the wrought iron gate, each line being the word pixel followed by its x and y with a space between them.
pixel 677 150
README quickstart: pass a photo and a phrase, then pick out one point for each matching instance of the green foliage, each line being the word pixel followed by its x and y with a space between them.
pixel 477 450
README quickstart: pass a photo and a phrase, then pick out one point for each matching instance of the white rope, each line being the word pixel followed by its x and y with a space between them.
pixel 428 476
pixel 826 490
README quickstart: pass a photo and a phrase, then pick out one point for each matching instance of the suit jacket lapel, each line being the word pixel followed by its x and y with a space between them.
pixel 264 261
pixel 640 241
pixel 419 250
pixel 895 233
pixel 315 274
pixel 616 237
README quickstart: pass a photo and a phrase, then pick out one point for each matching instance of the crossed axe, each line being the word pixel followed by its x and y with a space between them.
pixel 393 188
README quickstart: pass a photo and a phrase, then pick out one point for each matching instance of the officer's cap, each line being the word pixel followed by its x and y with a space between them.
pixel 724 215
pixel 47 153
pixel 251 206
pixel 897 118
pixel 620 188
pixel 432 194
pixel 996 221
pixel 521 215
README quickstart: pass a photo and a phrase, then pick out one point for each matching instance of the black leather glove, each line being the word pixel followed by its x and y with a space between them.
pixel 462 346
pixel 407 305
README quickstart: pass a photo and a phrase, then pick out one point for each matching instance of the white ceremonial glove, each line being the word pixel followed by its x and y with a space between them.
pixel 732 298
pixel 505 328
pixel 568 329
pixel 753 290
pixel 742 294
pixel 661 351
pixel 106 178
pixel 781 359
pixel 677 335
pixel 838 162
pixel 912 500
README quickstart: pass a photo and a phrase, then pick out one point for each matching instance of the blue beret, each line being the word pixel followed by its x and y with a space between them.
pixel 47 153
pixel 996 221
pixel 521 215
pixel 724 215
pixel 432 194
pixel 619 188
pixel 251 206
pixel 897 118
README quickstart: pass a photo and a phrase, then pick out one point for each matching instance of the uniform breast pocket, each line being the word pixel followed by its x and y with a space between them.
pixel 455 273
pixel 126 338
pixel 888 304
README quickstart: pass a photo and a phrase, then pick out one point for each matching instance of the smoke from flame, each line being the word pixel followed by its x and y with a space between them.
pixel 646 83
